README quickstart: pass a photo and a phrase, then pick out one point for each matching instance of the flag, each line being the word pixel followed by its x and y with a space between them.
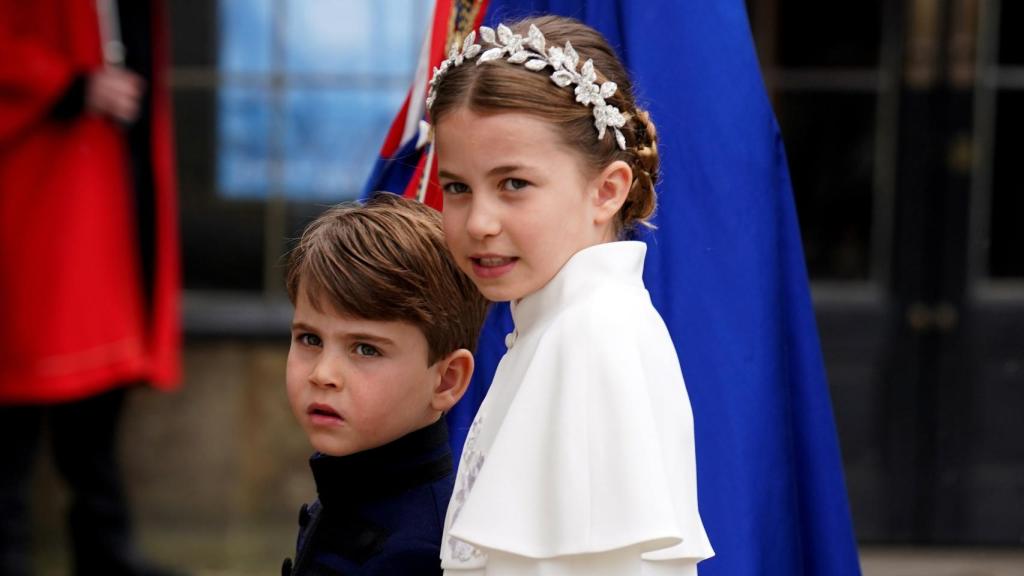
pixel 725 269
pixel 405 165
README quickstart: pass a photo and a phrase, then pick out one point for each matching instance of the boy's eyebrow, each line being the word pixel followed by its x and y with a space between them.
pixel 303 327
pixel 368 337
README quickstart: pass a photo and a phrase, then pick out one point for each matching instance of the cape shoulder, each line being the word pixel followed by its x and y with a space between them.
pixel 579 463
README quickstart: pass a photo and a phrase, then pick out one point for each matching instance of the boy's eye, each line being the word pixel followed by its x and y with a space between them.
pixel 366 350
pixel 308 339
pixel 455 188
pixel 514 184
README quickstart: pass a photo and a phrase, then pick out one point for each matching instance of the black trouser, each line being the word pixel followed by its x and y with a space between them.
pixel 84 441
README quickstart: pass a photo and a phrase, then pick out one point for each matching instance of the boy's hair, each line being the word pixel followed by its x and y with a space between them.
pixel 501 86
pixel 386 259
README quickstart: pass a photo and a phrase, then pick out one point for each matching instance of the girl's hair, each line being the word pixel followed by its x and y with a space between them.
pixel 500 86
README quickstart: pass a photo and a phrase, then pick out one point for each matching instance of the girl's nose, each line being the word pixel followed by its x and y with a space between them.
pixel 482 220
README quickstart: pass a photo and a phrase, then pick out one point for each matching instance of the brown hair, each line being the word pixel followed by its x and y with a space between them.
pixel 500 86
pixel 385 259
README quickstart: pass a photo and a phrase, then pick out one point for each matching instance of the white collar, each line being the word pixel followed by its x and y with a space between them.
pixel 611 262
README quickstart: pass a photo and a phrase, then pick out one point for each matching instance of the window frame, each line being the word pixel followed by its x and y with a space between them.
pixel 264 312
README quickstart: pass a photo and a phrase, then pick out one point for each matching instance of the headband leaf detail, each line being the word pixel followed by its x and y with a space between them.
pixel 534 54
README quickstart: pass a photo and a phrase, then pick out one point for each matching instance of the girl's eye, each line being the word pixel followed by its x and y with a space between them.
pixel 366 350
pixel 308 339
pixel 514 184
pixel 455 188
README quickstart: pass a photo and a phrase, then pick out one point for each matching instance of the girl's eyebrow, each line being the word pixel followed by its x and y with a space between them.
pixel 496 171
pixel 502 170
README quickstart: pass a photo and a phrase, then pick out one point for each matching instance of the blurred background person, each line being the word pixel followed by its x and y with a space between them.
pixel 89 283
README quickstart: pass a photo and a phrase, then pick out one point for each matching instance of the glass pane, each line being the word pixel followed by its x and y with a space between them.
pixel 332 140
pixel 815 33
pixel 245 35
pixel 377 39
pixel 830 144
pixel 1007 235
pixel 222 241
pixel 1011 42
pixel 243 151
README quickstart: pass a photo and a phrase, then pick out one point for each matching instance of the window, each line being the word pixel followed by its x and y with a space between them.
pixel 280 109
pixel 818 58
pixel 998 187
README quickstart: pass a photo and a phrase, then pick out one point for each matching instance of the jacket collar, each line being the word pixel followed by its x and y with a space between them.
pixel 417 458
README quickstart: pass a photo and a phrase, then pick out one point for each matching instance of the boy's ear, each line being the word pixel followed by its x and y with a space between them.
pixel 455 370
pixel 611 189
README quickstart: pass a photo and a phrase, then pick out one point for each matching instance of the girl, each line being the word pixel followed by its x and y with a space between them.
pixel 581 457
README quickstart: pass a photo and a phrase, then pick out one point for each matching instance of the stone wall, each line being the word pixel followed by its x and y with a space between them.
pixel 216 471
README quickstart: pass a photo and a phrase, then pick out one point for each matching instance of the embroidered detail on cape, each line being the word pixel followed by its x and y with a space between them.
pixel 472 462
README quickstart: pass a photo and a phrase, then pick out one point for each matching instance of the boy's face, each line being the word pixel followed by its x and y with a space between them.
pixel 356 384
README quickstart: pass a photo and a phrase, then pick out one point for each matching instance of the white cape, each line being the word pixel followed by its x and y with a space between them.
pixel 581 457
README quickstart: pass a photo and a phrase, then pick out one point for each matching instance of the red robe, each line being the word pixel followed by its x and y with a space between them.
pixel 73 315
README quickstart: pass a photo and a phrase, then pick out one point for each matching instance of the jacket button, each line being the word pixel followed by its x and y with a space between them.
pixel 304 515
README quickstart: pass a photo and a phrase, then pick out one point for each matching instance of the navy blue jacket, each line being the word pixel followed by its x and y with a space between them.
pixel 379 512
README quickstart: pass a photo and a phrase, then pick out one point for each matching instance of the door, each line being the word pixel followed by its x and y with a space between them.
pixel 904 126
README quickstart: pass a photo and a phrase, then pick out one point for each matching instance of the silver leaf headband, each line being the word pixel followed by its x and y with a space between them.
pixel 535 55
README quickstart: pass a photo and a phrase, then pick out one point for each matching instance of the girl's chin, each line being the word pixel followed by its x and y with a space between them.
pixel 501 293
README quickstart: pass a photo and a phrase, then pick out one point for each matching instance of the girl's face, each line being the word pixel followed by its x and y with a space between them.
pixel 517 202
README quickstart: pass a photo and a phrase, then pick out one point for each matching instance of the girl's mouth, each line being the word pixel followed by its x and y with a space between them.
pixel 323 415
pixel 492 266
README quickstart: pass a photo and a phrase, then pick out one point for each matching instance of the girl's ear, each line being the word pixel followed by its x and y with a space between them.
pixel 611 189
pixel 455 370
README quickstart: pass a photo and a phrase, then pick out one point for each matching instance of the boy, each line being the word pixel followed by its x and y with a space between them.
pixel 382 340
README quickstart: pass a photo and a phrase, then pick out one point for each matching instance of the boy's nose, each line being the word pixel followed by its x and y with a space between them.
pixel 325 375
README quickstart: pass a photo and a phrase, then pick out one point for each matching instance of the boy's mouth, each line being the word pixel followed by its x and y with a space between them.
pixel 323 415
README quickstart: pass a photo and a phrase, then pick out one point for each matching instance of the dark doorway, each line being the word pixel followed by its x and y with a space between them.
pixel 902 122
